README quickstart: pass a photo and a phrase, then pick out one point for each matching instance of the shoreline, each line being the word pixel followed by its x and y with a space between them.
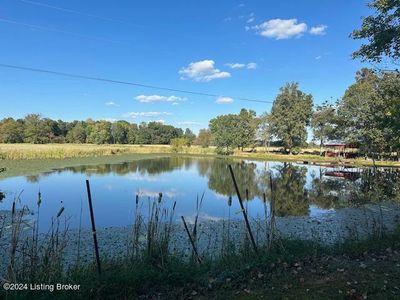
pixel 87 156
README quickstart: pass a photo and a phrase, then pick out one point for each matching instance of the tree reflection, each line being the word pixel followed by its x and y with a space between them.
pixel 291 199
pixel 220 180
pixel 291 196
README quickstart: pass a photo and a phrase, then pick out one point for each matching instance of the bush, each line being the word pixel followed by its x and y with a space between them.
pixel 177 144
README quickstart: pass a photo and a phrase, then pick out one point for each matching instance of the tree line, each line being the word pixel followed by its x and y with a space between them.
pixel 37 130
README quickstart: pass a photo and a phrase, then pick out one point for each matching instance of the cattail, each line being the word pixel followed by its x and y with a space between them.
pixel 159 197
pixel 39 200
pixel 60 212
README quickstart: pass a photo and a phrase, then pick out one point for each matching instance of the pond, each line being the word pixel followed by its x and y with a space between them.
pixel 308 191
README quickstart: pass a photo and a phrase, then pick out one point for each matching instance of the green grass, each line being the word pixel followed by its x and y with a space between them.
pixel 292 269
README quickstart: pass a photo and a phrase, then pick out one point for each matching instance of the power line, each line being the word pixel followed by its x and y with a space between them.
pixel 126 83
pixel 32 26
pixel 80 13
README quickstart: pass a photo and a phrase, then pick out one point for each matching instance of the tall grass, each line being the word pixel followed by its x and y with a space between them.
pixel 152 260
pixel 62 151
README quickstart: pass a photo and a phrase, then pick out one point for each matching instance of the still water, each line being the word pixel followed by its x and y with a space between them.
pixel 299 190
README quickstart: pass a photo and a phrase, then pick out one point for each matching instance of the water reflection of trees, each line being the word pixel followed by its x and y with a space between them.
pixel 289 181
pixel 371 186
pixel 220 180
pixel 291 199
pixel 152 166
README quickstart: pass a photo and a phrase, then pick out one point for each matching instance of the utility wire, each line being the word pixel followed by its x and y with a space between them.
pixel 32 26
pixel 80 13
pixel 126 83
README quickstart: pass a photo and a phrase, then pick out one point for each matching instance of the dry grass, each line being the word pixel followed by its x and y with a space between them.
pixel 61 151
pixel 13 152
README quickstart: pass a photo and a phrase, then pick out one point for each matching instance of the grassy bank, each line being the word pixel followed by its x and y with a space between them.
pixel 291 269
pixel 27 159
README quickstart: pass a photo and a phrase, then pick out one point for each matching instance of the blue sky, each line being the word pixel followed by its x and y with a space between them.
pixel 229 48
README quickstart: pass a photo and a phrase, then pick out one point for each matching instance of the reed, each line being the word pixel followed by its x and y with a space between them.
pixel 152 263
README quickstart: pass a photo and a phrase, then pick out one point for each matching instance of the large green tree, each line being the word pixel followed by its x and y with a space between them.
pixel 382 30
pixel 77 134
pixel 11 131
pixel 224 130
pixel 323 122
pixel 290 116
pixel 37 130
pixel 360 112
pixel 247 126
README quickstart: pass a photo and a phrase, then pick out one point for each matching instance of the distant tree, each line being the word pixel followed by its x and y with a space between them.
pixel 264 130
pixel 290 116
pixel 77 134
pixel 36 130
pixel 100 133
pixel 224 130
pixel 204 138
pixel 11 131
pixel 189 136
pixel 246 130
pixel 132 135
pixel 119 132
pixel 177 144
pixel 382 30
pixel 323 123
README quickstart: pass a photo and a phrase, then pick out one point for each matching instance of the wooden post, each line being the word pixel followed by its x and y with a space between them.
pixel 243 211
pixel 96 246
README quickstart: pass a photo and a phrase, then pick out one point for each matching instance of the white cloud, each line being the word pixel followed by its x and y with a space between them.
pixel 281 29
pixel 247 28
pixel 148 114
pixel 250 20
pixel 188 123
pixel 111 103
pixel 318 30
pixel 224 100
pixel 249 66
pixel 160 121
pixel 158 98
pixel 236 65
pixel 318 57
pixel 203 70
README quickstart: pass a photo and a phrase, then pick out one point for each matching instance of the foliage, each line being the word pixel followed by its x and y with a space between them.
pixel 264 129
pixel 204 138
pixel 189 136
pixel 37 130
pixel 382 30
pixel 224 131
pixel 323 122
pixel 369 111
pixel 230 131
pixel 290 116
pixel 177 144
pixel 11 131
